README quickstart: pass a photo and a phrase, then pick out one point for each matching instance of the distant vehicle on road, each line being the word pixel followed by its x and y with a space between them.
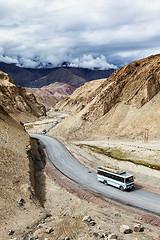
pixel 115 177
pixel 44 131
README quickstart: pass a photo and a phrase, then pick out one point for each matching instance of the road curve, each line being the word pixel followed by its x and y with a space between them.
pixel 66 163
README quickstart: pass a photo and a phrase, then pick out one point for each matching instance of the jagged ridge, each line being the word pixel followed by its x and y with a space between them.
pixel 16 101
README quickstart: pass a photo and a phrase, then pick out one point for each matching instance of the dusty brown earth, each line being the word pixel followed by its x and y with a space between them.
pixel 19 206
pixel 16 178
pixel 68 202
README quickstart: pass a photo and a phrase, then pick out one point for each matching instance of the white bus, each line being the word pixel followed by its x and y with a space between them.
pixel 115 177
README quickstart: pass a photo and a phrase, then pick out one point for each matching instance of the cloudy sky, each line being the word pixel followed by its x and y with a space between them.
pixel 86 33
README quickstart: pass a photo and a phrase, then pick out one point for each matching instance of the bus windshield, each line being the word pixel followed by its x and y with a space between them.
pixel 129 179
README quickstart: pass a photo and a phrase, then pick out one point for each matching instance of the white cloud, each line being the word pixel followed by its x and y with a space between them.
pixel 82 32
pixel 7 59
pixel 87 61
pixel 28 63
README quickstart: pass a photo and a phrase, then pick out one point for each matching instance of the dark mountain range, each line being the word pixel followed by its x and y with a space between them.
pixel 90 75
pixel 23 76
pixel 75 77
pixel 63 75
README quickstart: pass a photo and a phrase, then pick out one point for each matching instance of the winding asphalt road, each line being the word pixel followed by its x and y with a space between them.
pixel 50 127
pixel 66 163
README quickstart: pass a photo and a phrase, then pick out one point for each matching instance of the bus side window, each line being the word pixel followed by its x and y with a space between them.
pixel 109 175
pixel 122 180
pixel 117 178
pixel 100 172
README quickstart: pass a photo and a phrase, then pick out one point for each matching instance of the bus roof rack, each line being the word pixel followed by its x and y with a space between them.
pixel 113 170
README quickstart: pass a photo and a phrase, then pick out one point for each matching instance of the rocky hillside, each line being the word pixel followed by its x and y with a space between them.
pixel 19 204
pixel 17 177
pixel 16 101
pixel 125 104
pixel 51 94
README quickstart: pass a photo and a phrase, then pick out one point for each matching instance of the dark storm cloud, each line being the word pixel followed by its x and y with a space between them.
pixel 84 33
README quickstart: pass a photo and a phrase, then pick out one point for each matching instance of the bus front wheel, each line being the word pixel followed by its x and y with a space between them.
pixel 121 188
pixel 105 182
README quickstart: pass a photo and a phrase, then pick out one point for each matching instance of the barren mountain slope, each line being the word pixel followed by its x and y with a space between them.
pixel 81 96
pixel 16 101
pixel 51 94
pixel 123 105
pixel 16 177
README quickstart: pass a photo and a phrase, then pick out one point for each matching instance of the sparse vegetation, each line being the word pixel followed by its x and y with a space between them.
pixel 29 127
pixel 46 123
pixel 118 154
